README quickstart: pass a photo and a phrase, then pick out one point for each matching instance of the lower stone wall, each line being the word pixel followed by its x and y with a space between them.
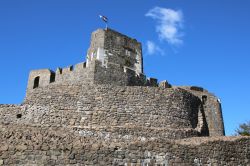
pixel 23 145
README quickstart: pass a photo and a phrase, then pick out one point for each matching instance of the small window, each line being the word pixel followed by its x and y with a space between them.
pixel 18 116
pixel 36 82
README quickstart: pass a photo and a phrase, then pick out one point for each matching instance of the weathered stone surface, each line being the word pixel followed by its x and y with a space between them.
pixel 92 150
pixel 4 147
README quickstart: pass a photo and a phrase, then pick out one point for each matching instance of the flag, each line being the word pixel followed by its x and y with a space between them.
pixel 105 19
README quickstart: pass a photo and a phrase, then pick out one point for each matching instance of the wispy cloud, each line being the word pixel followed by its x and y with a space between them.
pixel 152 48
pixel 169 24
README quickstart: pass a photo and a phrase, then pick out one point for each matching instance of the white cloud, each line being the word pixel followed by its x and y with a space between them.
pixel 169 24
pixel 152 48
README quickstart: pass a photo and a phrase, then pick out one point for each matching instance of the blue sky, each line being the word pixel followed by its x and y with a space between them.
pixel 195 42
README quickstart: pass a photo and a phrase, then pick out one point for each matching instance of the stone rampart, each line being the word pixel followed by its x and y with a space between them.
pixel 126 111
pixel 26 145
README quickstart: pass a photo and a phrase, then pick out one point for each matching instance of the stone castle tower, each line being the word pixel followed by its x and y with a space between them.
pixel 116 59
pixel 106 112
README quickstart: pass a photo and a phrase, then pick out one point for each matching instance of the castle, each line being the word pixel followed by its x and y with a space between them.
pixel 105 111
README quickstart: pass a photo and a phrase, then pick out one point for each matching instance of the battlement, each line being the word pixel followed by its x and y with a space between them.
pixel 93 73
pixel 44 77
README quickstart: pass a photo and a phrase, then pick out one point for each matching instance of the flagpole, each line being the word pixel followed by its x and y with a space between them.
pixel 105 19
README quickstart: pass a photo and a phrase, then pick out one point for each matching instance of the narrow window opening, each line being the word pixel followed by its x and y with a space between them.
pixel 36 82
pixel 52 77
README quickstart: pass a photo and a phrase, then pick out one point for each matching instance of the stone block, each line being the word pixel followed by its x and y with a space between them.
pixel 21 147
pixel 4 147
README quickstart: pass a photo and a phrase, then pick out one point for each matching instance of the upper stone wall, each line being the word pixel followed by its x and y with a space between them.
pixel 111 47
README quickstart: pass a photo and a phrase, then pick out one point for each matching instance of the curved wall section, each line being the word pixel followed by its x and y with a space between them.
pixel 146 109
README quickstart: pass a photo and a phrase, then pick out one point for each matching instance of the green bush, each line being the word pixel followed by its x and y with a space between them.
pixel 244 129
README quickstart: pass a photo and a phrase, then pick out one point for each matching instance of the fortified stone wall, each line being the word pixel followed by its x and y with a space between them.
pixel 130 110
pixel 26 145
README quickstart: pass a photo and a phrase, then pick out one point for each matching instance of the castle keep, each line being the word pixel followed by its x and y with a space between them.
pixel 105 111
pixel 112 58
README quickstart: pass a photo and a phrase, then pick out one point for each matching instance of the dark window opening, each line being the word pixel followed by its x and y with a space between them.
pixel 18 116
pixel 36 82
pixel 71 68
pixel 204 99
pixel 52 77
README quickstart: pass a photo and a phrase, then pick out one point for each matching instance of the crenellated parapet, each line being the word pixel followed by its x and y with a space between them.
pixel 44 77
pixel 94 73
